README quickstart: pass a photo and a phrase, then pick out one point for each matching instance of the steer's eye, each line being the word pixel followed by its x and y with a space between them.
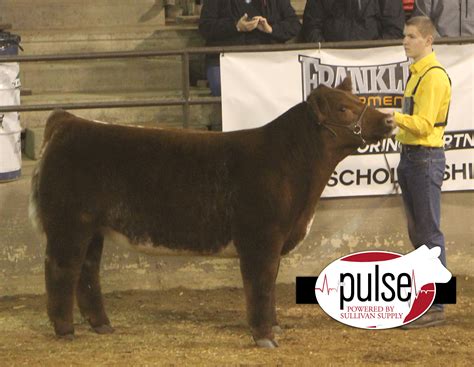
pixel 342 109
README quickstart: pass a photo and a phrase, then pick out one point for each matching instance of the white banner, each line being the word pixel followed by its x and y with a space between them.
pixel 258 87
pixel 10 129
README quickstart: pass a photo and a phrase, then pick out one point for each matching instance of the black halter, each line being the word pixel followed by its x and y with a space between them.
pixel 355 127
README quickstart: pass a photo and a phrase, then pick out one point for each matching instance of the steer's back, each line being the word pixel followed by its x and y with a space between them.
pixel 154 186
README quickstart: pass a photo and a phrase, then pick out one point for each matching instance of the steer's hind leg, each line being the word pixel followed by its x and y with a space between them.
pixel 259 267
pixel 275 325
pixel 65 251
pixel 89 295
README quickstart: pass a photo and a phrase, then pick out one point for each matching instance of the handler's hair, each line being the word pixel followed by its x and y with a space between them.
pixel 424 25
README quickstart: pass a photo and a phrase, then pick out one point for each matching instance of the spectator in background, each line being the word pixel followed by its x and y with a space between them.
pixel 244 22
pixel 452 18
pixel 350 20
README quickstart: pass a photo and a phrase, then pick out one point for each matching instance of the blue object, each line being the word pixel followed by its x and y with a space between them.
pixel 420 175
pixel 214 79
pixel 9 43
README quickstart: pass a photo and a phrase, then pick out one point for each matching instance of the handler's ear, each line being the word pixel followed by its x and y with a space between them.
pixel 346 84
pixel 319 104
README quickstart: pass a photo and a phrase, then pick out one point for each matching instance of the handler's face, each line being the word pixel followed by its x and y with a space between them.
pixel 414 43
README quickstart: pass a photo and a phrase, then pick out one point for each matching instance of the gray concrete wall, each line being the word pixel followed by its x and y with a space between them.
pixel 85 26
pixel 341 226
pixel 79 14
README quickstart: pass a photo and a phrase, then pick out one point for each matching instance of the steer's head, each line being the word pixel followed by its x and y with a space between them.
pixel 343 114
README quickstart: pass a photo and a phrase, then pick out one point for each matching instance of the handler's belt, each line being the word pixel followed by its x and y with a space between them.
pixel 409 102
pixel 412 148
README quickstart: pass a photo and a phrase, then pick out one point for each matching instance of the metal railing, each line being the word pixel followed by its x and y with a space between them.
pixel 185 101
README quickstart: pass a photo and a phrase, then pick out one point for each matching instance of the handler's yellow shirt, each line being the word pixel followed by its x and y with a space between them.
pixel 431 105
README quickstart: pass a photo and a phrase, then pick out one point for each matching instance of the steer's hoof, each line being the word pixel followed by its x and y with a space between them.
pixel 66 337
pixel 103 329
pixel 277 329
pixel 266 343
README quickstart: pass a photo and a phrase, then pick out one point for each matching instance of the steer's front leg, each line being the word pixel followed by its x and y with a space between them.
pixel 259 268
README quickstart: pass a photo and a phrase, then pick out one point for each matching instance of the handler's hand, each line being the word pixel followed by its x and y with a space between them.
pixel 263 25
pixel 247 25
pixel 387 110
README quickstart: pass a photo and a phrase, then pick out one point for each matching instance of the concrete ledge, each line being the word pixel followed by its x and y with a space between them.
pixel 60 14
pixel 100 39
pixel 114 75
pixel 103 76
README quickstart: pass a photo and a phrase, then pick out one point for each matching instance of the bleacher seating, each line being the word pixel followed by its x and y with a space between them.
pixel 54 27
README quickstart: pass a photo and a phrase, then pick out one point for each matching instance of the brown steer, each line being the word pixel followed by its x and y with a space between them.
pixel 254 189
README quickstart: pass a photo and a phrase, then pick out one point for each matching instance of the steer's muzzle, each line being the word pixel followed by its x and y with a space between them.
pixel 382 127
pixel 389 124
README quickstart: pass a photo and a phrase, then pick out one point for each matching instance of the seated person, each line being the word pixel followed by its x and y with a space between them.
pixel 350 20
pixel 244 22
pixel 453 18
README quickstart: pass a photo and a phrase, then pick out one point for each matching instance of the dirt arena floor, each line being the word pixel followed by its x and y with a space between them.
pixel 181 327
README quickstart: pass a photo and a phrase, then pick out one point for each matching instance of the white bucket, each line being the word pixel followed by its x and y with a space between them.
pixel 10 129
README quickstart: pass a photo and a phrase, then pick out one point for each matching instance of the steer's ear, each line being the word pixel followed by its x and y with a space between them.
pixel 319 105
pixel 346 84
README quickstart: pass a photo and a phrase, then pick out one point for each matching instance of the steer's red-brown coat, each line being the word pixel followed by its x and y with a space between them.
pixel 188 191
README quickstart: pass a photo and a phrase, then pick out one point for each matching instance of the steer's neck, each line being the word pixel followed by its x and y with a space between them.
pixel 309 147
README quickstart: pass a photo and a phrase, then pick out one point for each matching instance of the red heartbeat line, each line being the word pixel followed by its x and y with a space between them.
pixel 422 291
pixel 325 285
pixel 413 287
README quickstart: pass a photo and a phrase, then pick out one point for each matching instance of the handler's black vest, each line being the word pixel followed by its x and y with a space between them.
pixel 409 102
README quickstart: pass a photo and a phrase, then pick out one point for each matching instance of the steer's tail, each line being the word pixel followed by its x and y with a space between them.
pixel 54 119
pixel 33 214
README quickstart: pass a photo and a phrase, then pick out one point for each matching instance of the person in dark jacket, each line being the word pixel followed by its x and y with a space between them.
pixel 350 20
pixel 453 18
pixel 244 22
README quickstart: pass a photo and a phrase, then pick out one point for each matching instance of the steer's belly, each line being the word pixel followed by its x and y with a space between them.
pixel 148 247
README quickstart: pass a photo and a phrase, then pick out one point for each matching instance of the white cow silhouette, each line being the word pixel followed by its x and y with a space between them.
pixel 424 267
pixel 427 265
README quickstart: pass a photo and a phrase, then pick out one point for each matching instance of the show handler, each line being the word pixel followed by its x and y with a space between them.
pixel 422 161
